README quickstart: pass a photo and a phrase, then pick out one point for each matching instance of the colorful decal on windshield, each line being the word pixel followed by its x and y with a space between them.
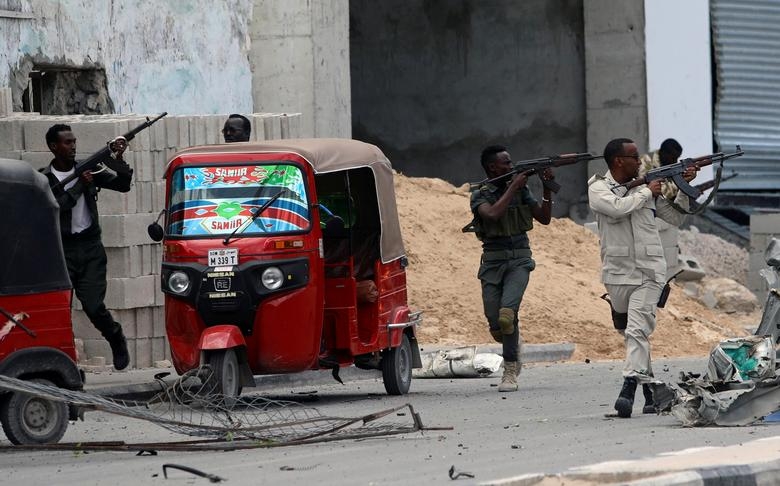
pixel 223 199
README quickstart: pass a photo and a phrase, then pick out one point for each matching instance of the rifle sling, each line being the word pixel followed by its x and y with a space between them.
pixel 701 207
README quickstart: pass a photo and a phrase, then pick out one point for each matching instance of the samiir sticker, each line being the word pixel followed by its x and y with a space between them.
pixel 230 175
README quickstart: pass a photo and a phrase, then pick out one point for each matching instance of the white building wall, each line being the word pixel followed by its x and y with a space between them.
pixel 183 57
pixel 679 80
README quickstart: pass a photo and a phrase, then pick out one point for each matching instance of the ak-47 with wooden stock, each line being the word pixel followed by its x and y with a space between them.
pixel 107 155
pixel 675 172
pixel 537 166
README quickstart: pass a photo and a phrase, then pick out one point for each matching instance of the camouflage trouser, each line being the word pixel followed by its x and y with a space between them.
pixel 639 301
pixel 503 285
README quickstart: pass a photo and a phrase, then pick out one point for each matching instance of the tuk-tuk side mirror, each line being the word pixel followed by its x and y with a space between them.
pixel 156 232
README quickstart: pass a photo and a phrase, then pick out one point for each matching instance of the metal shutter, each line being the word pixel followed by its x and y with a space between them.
pixel 746 36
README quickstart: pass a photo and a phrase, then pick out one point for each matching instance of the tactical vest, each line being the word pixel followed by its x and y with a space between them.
pixel 517 219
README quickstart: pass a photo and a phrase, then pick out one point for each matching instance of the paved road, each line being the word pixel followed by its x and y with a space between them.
pixel 554 423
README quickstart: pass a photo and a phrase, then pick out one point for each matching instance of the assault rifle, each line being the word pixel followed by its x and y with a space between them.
pixel 537 166
pixel 675 172
pixel 107 155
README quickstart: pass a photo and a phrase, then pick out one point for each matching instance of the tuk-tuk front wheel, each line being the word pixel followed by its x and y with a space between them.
pixel 225 376
pixel 30 420
pixel 397 368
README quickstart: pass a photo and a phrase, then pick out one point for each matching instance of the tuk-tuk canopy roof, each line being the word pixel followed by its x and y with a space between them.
pixel 32 257
pixel 327 155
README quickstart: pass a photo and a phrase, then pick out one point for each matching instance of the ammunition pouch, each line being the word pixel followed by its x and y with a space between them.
pixel 518 219
pixel 619 319
pixel 666 291
pixel 664 296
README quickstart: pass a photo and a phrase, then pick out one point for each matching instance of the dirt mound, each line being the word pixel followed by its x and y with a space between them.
pixel 562 301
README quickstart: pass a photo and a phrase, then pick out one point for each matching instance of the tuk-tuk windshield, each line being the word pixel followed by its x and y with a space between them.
pixel 220 199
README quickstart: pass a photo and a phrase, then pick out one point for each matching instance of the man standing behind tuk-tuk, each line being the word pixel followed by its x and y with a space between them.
pixel 80 230
pixel 504 211
pixel 237 129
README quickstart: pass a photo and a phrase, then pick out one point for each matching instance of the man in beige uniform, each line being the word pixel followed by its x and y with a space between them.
pixel 668 153
pixel 633 264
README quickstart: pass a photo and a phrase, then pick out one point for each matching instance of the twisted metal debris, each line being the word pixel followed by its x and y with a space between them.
pixel 188 406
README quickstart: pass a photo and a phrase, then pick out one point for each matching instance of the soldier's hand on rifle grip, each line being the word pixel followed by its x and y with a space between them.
pixel 118 147
pixel 86 177
pixel 690 173
pixel 547 175
pixel 655 187
pixel 519 180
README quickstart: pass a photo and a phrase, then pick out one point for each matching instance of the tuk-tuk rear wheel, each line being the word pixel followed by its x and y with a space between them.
pixel 397 368
pixel 226 374
pixel 30 420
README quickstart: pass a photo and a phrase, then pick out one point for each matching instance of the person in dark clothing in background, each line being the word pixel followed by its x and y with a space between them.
pixel 80 230
pixel 237 129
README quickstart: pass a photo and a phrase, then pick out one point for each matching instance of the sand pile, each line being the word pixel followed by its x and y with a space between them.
pixel 562 301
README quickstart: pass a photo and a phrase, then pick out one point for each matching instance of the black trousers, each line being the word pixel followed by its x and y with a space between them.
pixel 86 260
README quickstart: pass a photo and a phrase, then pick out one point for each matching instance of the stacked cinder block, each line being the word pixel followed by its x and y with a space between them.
pixel 134 295
pixel 6 102
pixel 763 227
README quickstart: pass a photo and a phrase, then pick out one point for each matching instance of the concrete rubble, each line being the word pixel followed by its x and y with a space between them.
pixel 742 383
pixel 463 362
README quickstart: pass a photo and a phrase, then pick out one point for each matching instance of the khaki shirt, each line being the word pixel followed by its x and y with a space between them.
pixel 627 225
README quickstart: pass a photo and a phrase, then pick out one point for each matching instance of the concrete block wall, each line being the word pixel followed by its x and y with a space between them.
pixel 763 227
pixel 133 295
pixel 6 101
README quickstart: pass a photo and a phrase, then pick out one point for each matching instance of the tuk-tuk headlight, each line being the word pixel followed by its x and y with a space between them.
pixel 179 282
pixel 272 278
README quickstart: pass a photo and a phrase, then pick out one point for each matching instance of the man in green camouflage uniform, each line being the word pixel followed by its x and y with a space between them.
pixel 503 212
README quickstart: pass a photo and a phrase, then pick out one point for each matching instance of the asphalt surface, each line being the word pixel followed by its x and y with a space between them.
pixel 139 384
pixel 555 424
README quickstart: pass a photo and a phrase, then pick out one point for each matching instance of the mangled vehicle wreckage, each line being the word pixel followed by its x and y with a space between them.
pixel 742 383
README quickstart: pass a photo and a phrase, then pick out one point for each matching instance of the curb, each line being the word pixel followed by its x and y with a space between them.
pixel 759 474
pixel 539 353
pixel 755 474
pixel 139 384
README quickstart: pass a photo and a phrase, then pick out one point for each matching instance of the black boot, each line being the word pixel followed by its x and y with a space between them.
pixel 119 350
pixel 649 402
pixel 625 402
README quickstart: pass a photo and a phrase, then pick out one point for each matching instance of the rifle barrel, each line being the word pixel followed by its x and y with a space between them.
pixel 534 165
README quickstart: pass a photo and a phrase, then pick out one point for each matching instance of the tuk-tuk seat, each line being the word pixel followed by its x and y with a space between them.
pixel 336 247
pixel 365 254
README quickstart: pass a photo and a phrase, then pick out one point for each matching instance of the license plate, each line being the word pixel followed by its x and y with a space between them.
pixel 223 258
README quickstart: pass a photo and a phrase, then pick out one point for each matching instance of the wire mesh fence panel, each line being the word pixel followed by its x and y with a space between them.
pixel 189 406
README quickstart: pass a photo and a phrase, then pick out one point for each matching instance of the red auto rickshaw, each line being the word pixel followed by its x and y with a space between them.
pixel 285 256
pixel 36 335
